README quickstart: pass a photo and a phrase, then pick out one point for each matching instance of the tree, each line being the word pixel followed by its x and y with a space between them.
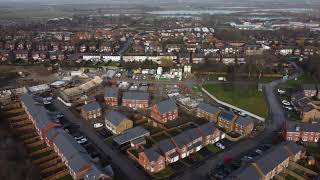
pixel 166 62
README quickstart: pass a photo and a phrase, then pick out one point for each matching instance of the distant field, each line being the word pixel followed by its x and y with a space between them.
pixel 304 79
pixel 246 97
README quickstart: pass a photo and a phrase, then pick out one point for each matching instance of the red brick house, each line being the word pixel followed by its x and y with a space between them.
pixel 226 120
pixel 151 160
pixel 168 149
pixel 136 100
pixel 243 125
pixel 164 111
pixel 208 112
pixel 111 97
pixel 210 134
pixel 307 132
pixel 91 111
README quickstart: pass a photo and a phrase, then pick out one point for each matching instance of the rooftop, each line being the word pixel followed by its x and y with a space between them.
pixel 91 106
pixel 115 117
pixel 136 95
pixel 131 134
pixel 166 106
pixel 208 108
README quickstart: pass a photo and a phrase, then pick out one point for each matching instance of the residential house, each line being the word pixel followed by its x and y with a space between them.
pixel 244 125
pixel 208 112
pixel 309 90
pixel 21 54
pixel 299 131
pixel 271 163
pixel 111 96
pixel 168 149
pixel 151 160
pixel 4 55
pixel 117 122
pixel 164 111
pixel 226 120
pixel 210 134
pixel 136 100
pixel 91 111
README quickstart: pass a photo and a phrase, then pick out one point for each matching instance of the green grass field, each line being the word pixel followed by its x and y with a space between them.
pixel 164 174
pixel 246 97
pixel 304 79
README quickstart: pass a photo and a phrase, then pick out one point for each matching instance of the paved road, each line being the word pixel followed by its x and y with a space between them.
pixel 276 121
pixel 125 164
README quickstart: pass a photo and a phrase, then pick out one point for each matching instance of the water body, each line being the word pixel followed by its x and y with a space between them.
pixel 226 11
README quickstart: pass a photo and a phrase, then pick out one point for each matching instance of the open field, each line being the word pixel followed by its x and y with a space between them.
pixel 246 97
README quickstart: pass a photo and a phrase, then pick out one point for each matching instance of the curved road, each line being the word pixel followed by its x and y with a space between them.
pixel 276 121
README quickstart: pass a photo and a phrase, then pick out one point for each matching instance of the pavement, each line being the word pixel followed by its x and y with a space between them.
pixel 276 121
pixel 126 165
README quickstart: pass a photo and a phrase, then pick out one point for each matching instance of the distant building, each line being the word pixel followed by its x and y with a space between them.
pixel 91 111
pixel 117 122
pixel 309 90
pixel 164 111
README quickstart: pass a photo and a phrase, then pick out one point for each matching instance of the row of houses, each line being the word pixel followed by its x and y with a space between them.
pixel 168 151
pixel 74 156
pixel 272 163
pixel 302 131
pixel 226 120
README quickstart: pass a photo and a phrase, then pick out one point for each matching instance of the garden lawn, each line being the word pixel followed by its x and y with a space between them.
pixel 304 79
pixel 246 97
pixel 164 174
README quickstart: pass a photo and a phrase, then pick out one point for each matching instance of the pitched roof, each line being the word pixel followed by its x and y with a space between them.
pixel 136 95
pixel 303 127
pixel 115 117
pixel 152 154
pixel 111 92
pixel 131 134
pixel 244 173
pixel 309 87
pixel 207 128
pixel 244 121
pixel 227 116
pixel 91 106
pixel 166 106
pixel 272 158
pixel 208 108
pixel 166 145
pixel 193 134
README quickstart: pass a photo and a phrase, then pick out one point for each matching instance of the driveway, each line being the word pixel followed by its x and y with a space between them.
pixel 126 165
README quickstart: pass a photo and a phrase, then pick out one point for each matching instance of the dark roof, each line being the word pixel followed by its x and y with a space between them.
pixel 115 117
pixel 309 87
pixel 180 140
pixel 227 116
pixel 111 92
pixel 166 145
pixel 293 147
pixel 244 121
pixel 244 173
pixel 207 128
pixel 308 108
pixel 208 108
pixel 272 158
pixel 91 106
pixel 136 95
pixel 303 127
pixel 152 154
pixel 131 134
pixel 166 106
pixel 193 134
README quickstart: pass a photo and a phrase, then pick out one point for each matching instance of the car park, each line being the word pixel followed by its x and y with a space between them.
pixel 97 125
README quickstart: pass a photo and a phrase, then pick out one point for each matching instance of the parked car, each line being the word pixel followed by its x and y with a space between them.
pixel 280 91
pixel 285 102
pixel 221 146
pixel 242 114
pixel 258 151
pixel 83 140
pixel 288 108
pixel 97 125
pixel 78 137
